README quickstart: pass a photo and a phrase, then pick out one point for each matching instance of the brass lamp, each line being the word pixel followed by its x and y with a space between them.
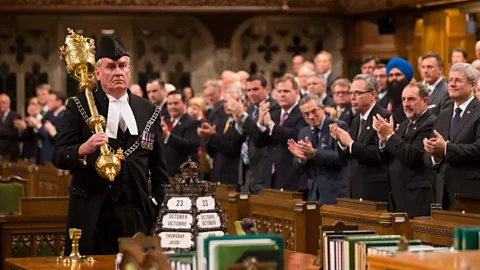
pixel 78 53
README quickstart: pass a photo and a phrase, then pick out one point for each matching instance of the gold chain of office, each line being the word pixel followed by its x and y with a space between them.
pixel 137 142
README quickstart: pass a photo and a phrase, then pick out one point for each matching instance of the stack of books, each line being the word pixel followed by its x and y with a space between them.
pixel 348 250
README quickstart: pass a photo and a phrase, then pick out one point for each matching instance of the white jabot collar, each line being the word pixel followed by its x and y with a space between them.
pixel 120 109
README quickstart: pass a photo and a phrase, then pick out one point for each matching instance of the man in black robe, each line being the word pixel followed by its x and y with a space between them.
pixel 105 210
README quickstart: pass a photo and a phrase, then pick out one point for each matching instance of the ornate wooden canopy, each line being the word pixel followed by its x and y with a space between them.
pixel 344 7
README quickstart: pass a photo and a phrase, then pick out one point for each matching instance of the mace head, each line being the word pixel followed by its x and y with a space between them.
pixel 78 51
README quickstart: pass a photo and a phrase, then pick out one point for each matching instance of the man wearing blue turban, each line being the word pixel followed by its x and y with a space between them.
pixel 400 73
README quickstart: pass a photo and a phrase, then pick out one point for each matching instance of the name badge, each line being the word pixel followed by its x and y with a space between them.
pixel 147 140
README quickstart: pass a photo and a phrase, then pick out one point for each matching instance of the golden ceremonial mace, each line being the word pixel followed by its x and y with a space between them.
pixel 78 53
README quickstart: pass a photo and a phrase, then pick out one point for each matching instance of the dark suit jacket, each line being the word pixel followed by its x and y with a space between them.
pixel 326 172
pixel 398 114
pixel 412 183
pixel 439 99
pixel 286 176
pixel 328 101
pixel 164 113
pixel 215 112
pixel 9 137
pixel 458 170
pixel 88 190
pixel 225 149
pixel 48 142
pixel 347 115
pixel 256 155
pixel 367 174
pixel 330 80
pixel 182 143
pixel 30 143
pixel 383 102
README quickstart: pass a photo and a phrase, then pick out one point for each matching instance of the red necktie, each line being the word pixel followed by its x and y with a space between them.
pixel 389 107
pixel 283 118
pixel 170 126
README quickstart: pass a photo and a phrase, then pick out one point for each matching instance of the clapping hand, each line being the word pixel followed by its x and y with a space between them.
pixel 435 146
pixel 206 130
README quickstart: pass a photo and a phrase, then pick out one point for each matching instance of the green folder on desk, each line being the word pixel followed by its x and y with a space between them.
pixel 221 251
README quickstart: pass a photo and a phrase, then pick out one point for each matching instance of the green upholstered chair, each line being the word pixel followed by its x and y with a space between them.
pixel 11 190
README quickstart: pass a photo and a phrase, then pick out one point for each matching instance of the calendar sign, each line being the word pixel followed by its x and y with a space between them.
pixel 179 203
pixel 205 203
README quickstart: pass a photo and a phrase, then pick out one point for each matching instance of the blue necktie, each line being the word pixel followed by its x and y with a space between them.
pixel 244 150
pixel 453 124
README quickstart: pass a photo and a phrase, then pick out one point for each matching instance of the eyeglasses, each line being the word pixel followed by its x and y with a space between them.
pixel 358 93
pixel 346 93
pixel 456 81
pixel 313 112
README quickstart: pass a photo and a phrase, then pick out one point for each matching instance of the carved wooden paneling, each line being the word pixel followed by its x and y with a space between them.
pixel 289 234
pixel 345 6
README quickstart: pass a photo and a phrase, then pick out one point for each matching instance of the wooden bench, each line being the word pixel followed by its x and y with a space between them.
pixel 223 190
pixel 38 231
pixel 49 181
pixel 368 215
pixel 43 180
pixel 296 220
pixel 437 229
pixel 21 168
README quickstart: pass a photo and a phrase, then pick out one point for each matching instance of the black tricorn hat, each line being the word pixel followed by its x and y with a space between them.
pixel 110 47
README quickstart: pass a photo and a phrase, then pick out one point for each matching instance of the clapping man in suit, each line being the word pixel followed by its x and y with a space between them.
pixel 380 74
pixel 52 124
pixel 9 136
pixel 212 91
pixel 316 154
pixel 157 94
pixel 323 66
pixel 400 73
pixel 341 97
pixel 180 133
pixel 252 171
pixel 437 86
pixel 222 144
pixel 367 175
pixel 275 128
pixel 454 147
pixel 25 128
pixel 411 182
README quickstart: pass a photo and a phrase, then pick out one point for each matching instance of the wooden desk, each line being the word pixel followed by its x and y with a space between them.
pixel 438 229
pixel 383 223
pixel 293 261
pixel 427 261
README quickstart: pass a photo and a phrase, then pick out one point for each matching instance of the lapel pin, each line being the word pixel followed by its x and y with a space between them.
pixel 368 128
pixel 468 111
pixel 415 128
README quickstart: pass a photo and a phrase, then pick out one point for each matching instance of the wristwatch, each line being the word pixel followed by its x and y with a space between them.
pixel 270 123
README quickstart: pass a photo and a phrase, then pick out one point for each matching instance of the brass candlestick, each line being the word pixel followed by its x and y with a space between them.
pixel 75 256
pixel 78 53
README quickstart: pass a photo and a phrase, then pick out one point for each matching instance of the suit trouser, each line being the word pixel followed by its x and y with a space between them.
pixel 116 219
pixel 249 184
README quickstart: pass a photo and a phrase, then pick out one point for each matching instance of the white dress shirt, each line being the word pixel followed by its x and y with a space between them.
pixel 364 117
pixel 464 108
pixel 431 87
